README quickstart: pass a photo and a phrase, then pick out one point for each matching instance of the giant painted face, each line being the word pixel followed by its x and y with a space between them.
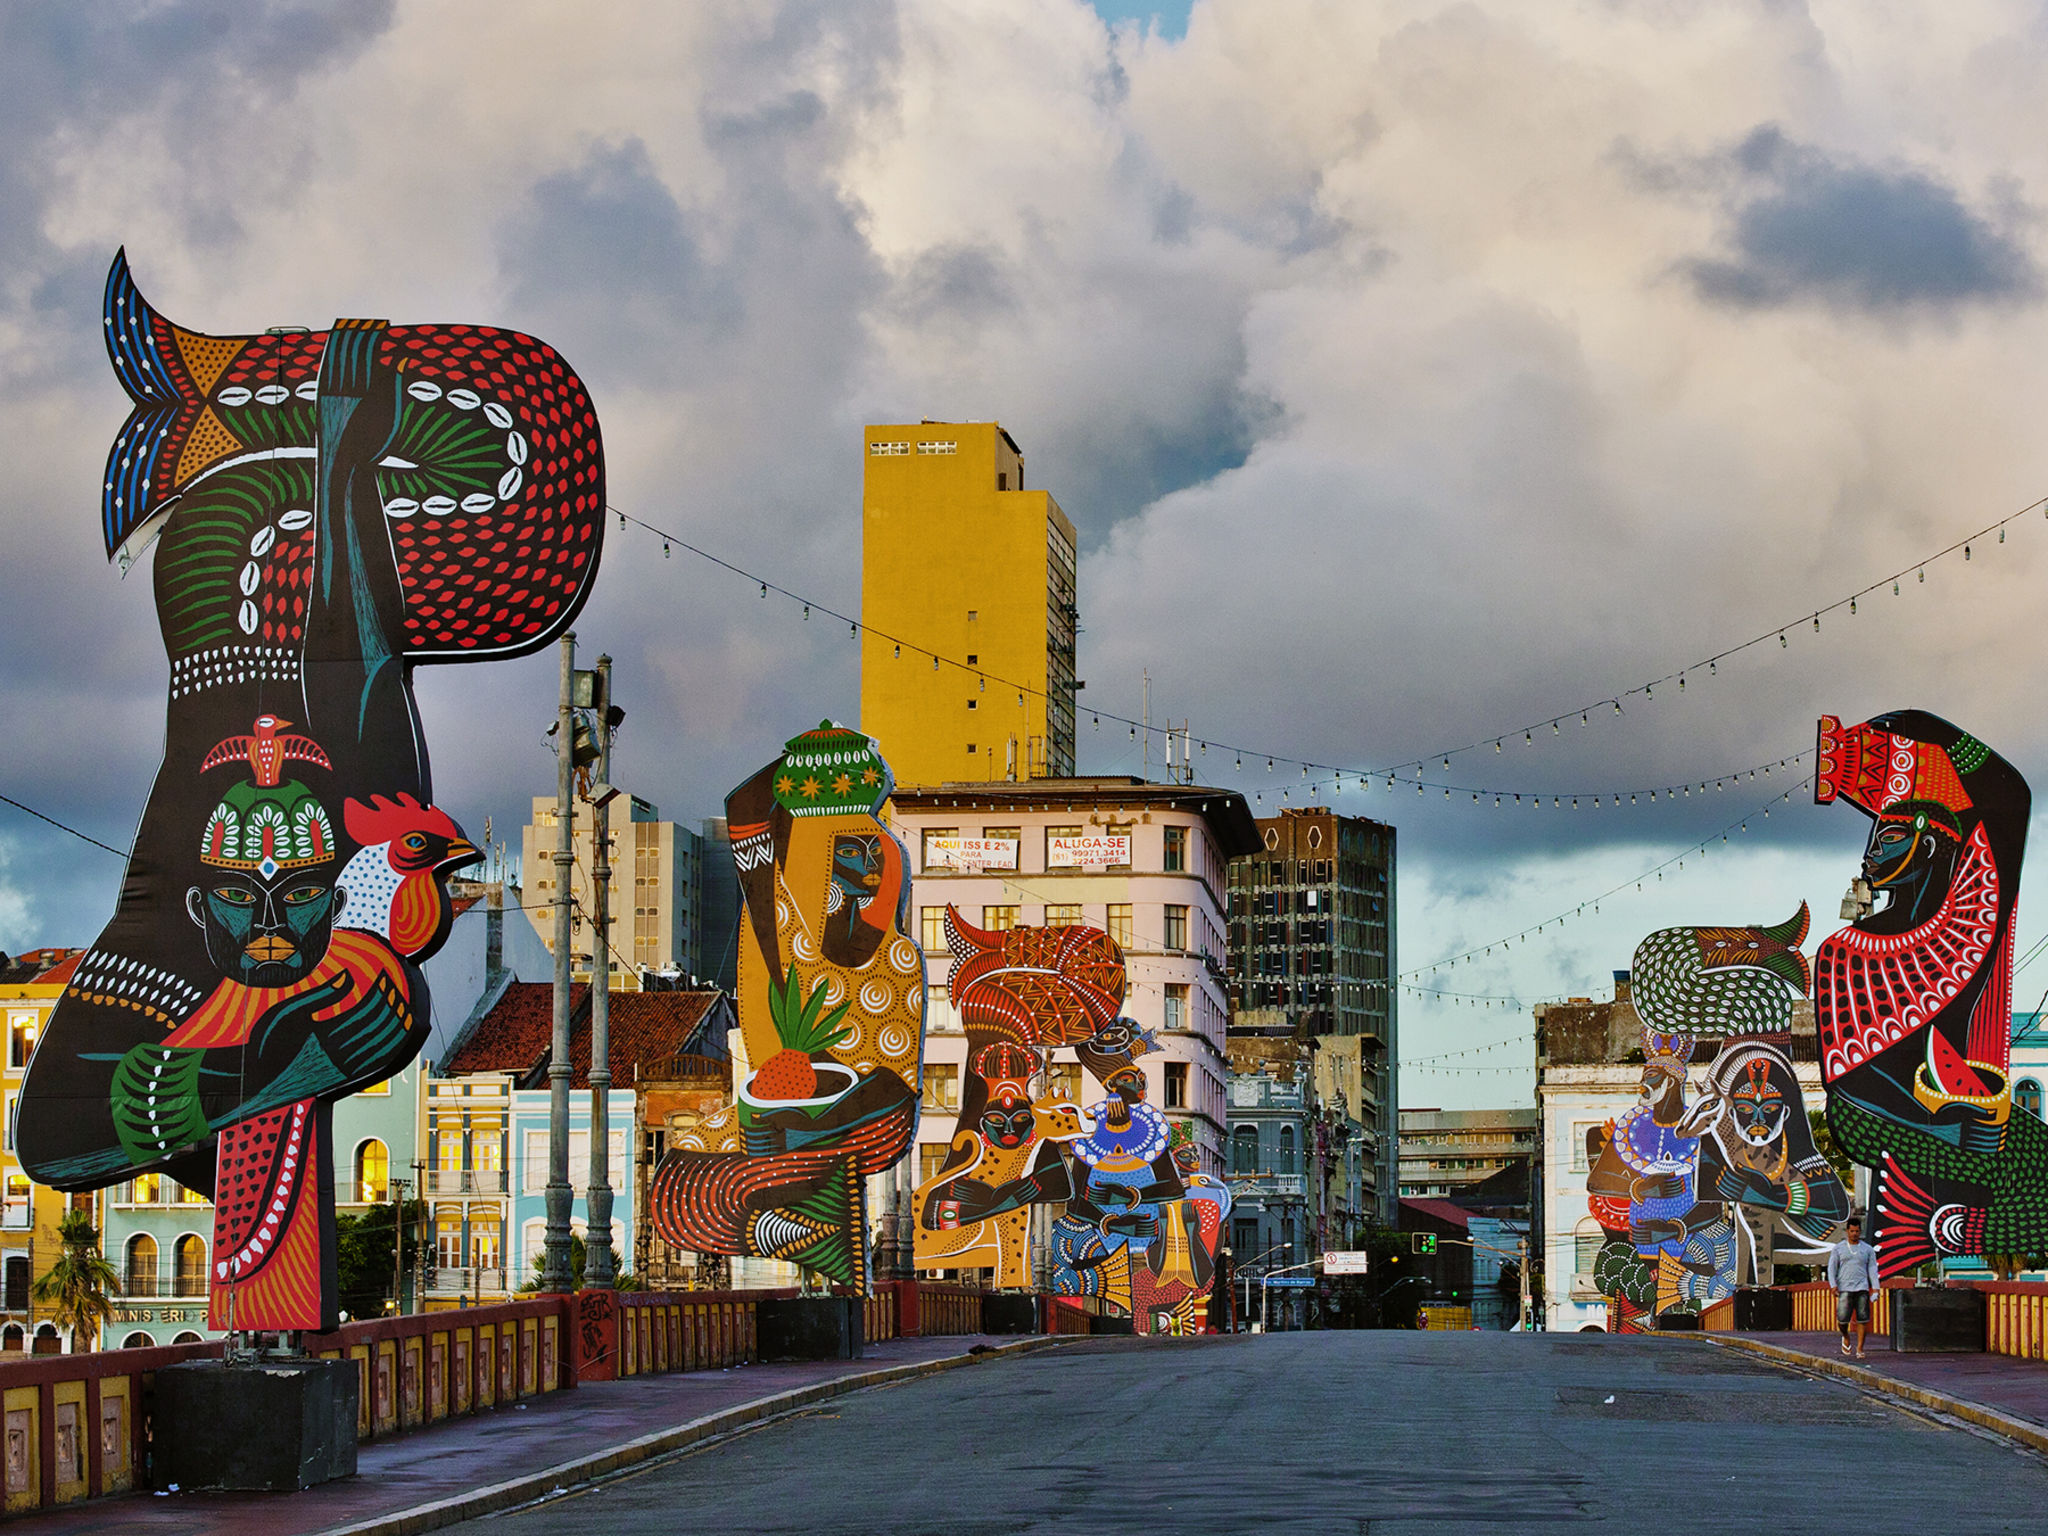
pixel 1756 1104
pixel 1008 1121
pixel 266 933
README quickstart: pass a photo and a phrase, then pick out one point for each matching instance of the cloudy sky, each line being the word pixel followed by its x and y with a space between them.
pixel 1414 371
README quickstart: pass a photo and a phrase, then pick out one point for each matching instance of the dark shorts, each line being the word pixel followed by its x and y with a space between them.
pixel 1852 1306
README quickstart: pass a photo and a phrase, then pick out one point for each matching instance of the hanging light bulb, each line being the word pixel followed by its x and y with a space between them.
pixel 1713 669
pixel 982 682
pixel 2001 533
pixel 1681 682
pixel 1553 727
pixel 807 611
pixel 1269 765
pixel 764 589
pixel 1816 623
pixel 1852 607
pixel 935 661
pixel 1582 718
pixel 1923 573
pixel 1134 733
pixel 622 522
pixel 1496 744
pixel 853 629
pixel 1781 640
pixel 1528 740
pixel 1097 720
pixel 1617 706
pixel 664 549
pixel 899 653
pixel 1966 551
pixel 1895 589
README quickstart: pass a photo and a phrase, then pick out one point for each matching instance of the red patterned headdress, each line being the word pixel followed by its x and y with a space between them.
pixel 1891 777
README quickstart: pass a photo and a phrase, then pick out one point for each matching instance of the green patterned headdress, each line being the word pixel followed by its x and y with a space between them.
pixel 832 771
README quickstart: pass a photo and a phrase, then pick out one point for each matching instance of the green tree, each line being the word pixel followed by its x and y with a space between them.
pixel 77 1286
pixel 364 1255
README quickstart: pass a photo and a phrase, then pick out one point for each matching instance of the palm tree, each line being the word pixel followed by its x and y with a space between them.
pixel 76 1286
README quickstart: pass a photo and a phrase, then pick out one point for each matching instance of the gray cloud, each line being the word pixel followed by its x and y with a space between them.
pixel 1805 227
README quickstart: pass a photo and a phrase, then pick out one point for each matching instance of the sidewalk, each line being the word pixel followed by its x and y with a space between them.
pixel 471 1466
pixel 1995 1392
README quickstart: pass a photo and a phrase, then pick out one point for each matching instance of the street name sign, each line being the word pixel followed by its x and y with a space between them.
pixel 1298 1282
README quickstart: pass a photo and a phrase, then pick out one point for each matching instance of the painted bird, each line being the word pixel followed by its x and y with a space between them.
pixel 395 882
pixel 266 751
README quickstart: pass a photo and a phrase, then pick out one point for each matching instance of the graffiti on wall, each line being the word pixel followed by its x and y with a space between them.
pixel 1914 998
pixel 1132 1221
pixel 1699 1184
pixel 831 1009
pixel 329 510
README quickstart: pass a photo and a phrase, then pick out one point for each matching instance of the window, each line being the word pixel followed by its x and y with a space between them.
pixel 1176 1005
pixel 1119 924
pixel 972 659
pixel 148 1188
pixel 535 1174
pixel 1002 480
pixel 932 922
pixel 952 447
pixel 931 857
pixel 889 450
pixel 970 749
pixel 1176 1085
pixel 931 1157
pixel 448 1149
pixel 998 919
pixel 1066 914
pixel 1579 1163
pixel 1285 1162
pixel 973 614
pixel 17 1285
pixel 1053 832
pixel 1176 849
pixel 19 1213
pixel 373 1172
pixel 489 1150
pixel 448 1238
pixel 942 1088
pixel 186 1196
pixel 486 1242
pixel 21 1038
pixel 974 703
pixel 1244 1149
pixel 2027 1096
pixel 1176 927
pixel 1587 1242
pixel 189 1254
pixel 938 1015
pixel 139 1274
pixel 1244 1240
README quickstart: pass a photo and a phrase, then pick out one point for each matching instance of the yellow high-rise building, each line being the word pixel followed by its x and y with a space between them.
pixel 959 559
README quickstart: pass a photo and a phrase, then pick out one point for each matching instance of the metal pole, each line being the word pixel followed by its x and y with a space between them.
pixel 398 1246
pixel 556 1273
pixel 598 1262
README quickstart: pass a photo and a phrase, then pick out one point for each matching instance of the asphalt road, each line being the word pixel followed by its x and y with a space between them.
pixel 1379 1433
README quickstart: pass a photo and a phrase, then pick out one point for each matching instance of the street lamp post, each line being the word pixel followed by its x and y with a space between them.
pixel 1247 1279
pixel 598 1264
pixel 1266 1286
pixel 556 1273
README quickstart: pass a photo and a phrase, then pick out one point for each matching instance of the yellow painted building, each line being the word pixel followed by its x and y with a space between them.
pixel 960 560
pixel 30 984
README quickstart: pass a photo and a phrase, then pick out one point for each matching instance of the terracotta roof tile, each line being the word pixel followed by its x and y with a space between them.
pixel 515 1036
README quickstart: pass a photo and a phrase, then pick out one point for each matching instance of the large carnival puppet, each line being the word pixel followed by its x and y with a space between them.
pixel 1690 1188
pixel 330 509
pixel 831 1008
pixel 1914 998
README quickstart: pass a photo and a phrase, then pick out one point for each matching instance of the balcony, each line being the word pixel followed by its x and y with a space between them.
pixel 448 1181
pixel 446 1281
pixel 144 1288
pixel 1280 1186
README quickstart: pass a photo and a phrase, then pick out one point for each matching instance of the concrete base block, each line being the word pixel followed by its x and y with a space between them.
pixel 1930 1320
pixel 809 1328
pixel 1009 1314
pixel 277 1425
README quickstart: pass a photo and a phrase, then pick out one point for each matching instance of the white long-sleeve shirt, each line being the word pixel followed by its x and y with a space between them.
pixel 1852 1267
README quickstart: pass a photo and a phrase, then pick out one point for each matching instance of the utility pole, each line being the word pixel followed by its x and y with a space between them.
pixel 598 1264
pixel 556 1274
pixel 398 1246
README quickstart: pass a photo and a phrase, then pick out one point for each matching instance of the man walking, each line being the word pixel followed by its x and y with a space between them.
pixel 1852 1273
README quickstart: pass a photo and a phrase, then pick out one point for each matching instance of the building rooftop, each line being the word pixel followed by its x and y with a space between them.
pixel 1229 817
pixel 1438 1210
pixel 646 1027
pixel 48 967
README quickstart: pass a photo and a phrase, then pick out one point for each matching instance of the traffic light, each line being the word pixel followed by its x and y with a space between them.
pixel 1425 1242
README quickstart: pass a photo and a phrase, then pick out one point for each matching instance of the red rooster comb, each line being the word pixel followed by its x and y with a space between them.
pixel 383 821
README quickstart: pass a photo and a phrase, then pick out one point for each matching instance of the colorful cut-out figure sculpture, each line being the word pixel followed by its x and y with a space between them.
pixel 1022 994
pixel 1914 999
pixel 329 510
pixel 831 1006
pixel 1679 1184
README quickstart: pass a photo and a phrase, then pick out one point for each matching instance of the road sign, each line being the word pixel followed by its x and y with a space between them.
pixel 1425 1242
pixel 1297 1282
pixel 1345 1262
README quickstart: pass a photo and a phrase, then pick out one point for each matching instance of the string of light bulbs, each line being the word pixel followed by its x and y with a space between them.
pixel 1558 798
pixel 1655 871
pixel 1408 768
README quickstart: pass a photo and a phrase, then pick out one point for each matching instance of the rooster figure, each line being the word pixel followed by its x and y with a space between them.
pixel 327 511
